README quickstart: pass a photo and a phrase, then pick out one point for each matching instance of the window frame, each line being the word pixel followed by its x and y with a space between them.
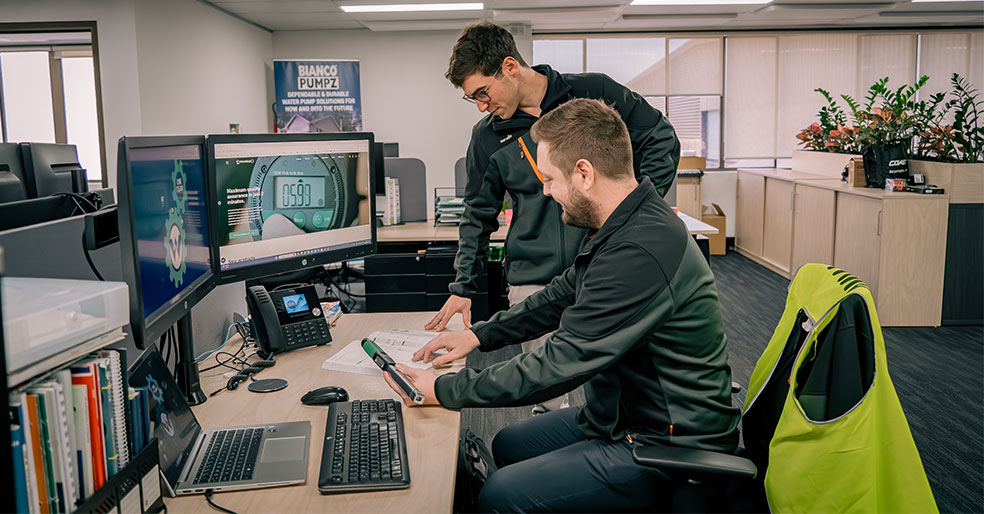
pixel 55 54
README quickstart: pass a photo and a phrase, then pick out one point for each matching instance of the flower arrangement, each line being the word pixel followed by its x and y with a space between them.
pixel 889 115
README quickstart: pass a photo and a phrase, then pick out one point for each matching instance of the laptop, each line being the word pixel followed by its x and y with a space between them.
pixel 194 460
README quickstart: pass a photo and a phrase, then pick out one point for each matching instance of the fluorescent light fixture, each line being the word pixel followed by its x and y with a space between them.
pixel 941 1
pixel 700 2
pixel 475 6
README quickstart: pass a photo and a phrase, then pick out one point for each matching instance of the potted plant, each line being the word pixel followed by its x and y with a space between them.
pixel 950 144
pixel 830 135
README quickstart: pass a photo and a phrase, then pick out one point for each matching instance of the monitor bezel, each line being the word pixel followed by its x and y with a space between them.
pixel 142 331
pixel 255 271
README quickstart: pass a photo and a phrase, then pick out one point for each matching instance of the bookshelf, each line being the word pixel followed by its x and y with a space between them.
pixel 37 399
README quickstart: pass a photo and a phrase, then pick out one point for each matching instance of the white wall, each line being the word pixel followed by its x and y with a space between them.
pixel 117 58
pixel 201 69
pixel 405 97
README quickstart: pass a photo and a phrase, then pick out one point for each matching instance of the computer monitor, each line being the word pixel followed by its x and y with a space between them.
pixel 379 172
pixel 285 202
pixel 164 230
pixel 52 168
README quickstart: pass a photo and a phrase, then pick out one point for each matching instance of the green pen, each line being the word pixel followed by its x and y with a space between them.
pixel 386 363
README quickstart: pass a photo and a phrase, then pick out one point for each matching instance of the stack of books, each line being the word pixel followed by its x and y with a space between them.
pixel 69 433
pixel 448 209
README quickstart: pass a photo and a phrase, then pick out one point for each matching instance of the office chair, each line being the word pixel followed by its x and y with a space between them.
pixel 460 174
pixel 821 414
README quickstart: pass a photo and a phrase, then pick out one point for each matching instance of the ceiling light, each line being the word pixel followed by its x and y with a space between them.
pixel 699 2
pixel 413 7
pixel 940 1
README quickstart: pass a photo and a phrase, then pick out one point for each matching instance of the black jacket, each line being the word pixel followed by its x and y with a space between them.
pixel 637 322
pixel 501 159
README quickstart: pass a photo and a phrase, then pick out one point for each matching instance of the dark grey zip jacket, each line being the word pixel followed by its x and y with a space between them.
pixel 501 159
pixel 637 322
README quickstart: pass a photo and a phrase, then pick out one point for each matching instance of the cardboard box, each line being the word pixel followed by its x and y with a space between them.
pixel 689 162
pixel 714 216
pixel 855 173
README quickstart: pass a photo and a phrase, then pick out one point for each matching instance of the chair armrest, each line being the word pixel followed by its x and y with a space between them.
pixel 675 458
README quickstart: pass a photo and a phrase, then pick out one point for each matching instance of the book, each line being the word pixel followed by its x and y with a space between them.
pixel 21 492
pixel 44 442
pixel 62 447
pixel 86 374
pixel 80 394
pixel 118 400
pixel 400 344
pixel 64 377
pixel 108 423
pixel 33 494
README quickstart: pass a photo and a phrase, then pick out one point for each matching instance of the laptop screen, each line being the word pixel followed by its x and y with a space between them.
pixel 171 420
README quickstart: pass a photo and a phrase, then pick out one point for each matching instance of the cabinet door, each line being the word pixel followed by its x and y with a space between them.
pixel 749 212
pixel 813 226
pixel 857 244
pixel 688 196
pixel 777 241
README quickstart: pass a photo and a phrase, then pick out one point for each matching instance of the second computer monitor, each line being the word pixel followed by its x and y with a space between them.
pixel 289 201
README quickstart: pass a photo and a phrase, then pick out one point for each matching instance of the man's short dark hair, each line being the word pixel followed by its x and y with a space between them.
pixel 481 47
pixel 589 129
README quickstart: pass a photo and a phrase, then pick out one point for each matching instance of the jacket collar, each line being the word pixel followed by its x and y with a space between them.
pixel 621 214
pixel 557 89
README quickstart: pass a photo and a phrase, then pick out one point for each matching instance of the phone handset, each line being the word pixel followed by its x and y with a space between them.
pixel 265 322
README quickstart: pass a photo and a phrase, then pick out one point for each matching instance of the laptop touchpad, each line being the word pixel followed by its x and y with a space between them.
pixel 283 449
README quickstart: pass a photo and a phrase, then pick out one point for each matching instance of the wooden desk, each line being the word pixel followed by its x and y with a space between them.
pixel 426 231
pixel 431 432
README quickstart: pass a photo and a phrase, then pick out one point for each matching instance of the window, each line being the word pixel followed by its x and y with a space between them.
pixel 48 91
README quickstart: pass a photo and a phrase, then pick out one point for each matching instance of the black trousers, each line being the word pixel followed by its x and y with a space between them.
pixel 546 464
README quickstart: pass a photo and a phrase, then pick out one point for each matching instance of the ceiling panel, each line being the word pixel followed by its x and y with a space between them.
pixel 603 15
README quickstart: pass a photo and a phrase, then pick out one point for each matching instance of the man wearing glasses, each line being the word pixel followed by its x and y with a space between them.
pixel 487 66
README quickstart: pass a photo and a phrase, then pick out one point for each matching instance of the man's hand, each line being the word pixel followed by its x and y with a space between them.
pixel 458 345
pixel 455 304
pixel 422 379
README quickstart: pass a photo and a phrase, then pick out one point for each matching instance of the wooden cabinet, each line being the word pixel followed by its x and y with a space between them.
pixel 857 242
pixel 895 242
pixel 688 199
pixel 750 212
pixel 813 226
pixel 778 235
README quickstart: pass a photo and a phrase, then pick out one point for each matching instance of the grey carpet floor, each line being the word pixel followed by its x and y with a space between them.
pixel 937 373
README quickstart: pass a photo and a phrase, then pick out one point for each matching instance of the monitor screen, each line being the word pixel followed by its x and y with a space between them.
pixel 287 201
pixel 164 229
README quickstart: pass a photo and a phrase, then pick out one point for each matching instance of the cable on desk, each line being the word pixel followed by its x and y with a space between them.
pixel 208 498
pixel 88 258
pixel 228 335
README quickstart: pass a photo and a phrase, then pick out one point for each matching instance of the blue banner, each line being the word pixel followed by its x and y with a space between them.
pixel 317 96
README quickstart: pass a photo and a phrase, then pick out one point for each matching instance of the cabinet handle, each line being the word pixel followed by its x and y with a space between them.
pixel 879 223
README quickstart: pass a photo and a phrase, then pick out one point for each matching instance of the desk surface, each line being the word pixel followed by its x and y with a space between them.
pixel 431 432
pixel 426 231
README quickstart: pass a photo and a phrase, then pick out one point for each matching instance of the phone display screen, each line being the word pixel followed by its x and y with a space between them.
pixel 295 303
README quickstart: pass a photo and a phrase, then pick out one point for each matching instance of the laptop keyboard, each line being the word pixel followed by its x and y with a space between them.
pixel 365 447
pixel 231 456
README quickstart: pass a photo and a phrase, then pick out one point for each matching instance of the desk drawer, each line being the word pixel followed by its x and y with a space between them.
pixel 396 284
pixel 396 264
pixel 439 283
pixel 396 302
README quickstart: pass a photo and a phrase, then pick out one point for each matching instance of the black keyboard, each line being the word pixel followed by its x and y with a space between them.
pixel 365 448
pixel 230 456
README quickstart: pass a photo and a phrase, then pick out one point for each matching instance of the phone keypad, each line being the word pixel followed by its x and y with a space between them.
pixel 306 332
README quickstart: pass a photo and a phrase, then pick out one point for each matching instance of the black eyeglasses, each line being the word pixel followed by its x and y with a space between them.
pixel 482 95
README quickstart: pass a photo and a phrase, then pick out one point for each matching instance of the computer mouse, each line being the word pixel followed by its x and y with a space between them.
pixel 325 395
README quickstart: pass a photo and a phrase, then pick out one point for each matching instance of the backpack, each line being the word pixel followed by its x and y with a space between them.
pixel 475 465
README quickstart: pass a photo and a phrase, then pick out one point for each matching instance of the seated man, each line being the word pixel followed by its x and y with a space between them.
pixel 636 320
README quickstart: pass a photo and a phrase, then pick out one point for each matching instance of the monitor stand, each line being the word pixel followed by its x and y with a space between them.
pixel 186 368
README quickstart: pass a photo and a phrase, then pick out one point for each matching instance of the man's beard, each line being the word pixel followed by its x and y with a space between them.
pixel 580 213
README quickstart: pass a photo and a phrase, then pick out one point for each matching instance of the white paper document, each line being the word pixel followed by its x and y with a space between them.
pixel 400 344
